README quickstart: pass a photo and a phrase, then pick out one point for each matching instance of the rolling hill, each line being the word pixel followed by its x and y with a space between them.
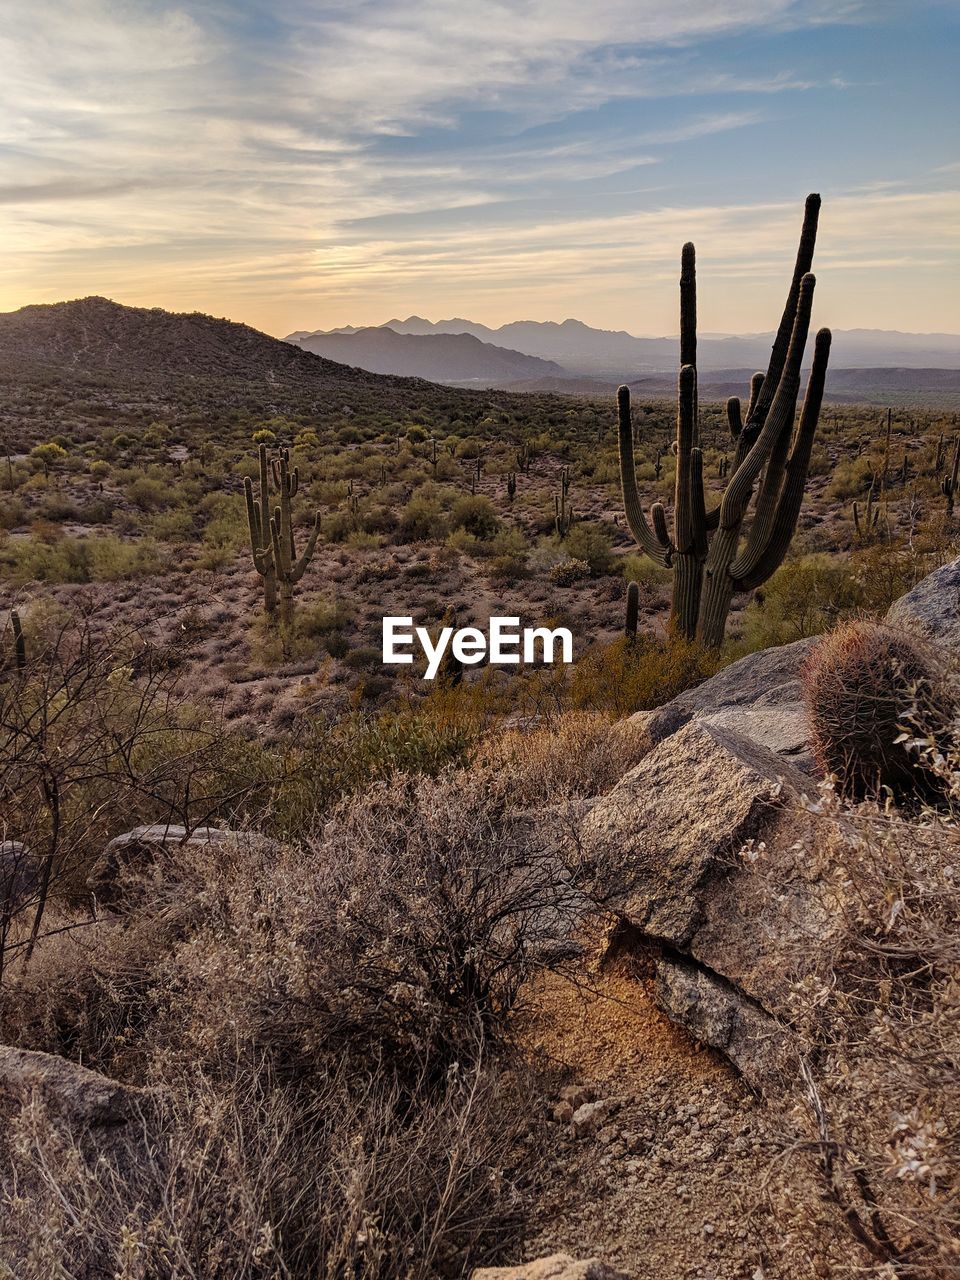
pixel 68 366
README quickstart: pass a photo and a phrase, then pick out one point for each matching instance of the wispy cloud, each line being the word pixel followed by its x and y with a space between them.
pixel 289 162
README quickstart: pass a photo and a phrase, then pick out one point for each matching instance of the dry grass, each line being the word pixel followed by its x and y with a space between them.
pixel 875 1112
pixel 329 1029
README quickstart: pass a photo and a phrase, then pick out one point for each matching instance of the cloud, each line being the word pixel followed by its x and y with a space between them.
pixel 340 153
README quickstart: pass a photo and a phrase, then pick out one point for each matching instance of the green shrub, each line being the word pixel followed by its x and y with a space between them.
pixel 422 518
pixel 476 514
pixel 591 543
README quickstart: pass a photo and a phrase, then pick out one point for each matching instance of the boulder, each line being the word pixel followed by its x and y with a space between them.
pixel 19 876
pixel 932 608
pixel 703 852
pixel 88 1104
pixel 671 827
pixel 719 1015
pixel 559 1266
pixel 141 848
pixel 759 696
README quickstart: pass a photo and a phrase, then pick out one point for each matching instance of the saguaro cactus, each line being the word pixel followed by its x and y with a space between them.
pixel 19 641
pixel 258 520
pixel 271 535
pixel 710 553
pixel 950 483
pixel 865 525
pixel 633 611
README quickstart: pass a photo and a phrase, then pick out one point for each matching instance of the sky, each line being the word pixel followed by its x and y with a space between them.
pixel 302 164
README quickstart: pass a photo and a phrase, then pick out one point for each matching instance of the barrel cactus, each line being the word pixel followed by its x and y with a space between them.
pixel 863 683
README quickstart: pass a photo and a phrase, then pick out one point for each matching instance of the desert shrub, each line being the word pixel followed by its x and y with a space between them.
pixel 422 518
pixel 851 478
pixel 873 1115
pixel 578 753
pixel 637 675
pixel 321 617
pixel 330 1029
pixel 149 493
pixel 12 513
pixel 592 544
pixel 173 526
pixel 803 598
pixel 569 571
pixel 641 569
pixel 861 683
pixel 476 514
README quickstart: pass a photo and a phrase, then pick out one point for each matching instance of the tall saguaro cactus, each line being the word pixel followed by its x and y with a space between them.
pixel 711 554
pixel 271 534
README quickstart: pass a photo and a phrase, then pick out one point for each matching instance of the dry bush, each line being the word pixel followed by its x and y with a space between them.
pixel 580 754
pixel 263 1180
pixel 875 1110
pixel 861 682
pixel 330 1030
pixel 638 674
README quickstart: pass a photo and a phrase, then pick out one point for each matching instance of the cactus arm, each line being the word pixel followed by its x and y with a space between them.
pixel 720 582
pixel 689 515
pixel 734 417
pixel 20 644
pixel 298 568
pixel 636 522
pixel 763 564
pixel 264 469
pixel 756 385
pixel 734 504
pixel 688 321
pixel 261 549
pixel 686 433
pixel 781 345
pixel 659 517
pixel 698 510
pixel 633 611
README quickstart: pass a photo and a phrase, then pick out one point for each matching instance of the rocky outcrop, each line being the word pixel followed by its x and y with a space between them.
pixel 559 1266
pixel 141 849
pixel 759 696
pixel 932 608
pixel 701 848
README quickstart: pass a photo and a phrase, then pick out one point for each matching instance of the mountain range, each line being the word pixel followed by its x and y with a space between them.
pixel 610 355
pixel 440 357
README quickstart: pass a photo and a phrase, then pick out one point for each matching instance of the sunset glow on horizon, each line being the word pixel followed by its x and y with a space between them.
pixel 317 164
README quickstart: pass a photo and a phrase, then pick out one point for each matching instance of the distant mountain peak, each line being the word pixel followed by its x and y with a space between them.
pixel 580 349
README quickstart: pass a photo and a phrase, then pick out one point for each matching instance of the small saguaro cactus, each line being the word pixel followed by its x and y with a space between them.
pixel 633 611
pixel 658 465
pixel 948 484
pixel 563 513
pixel 511 485
pixel 711 554
pixel 258 520
pixel 19 641
pixel 940 456
pixel 866 524
pixel 271 535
